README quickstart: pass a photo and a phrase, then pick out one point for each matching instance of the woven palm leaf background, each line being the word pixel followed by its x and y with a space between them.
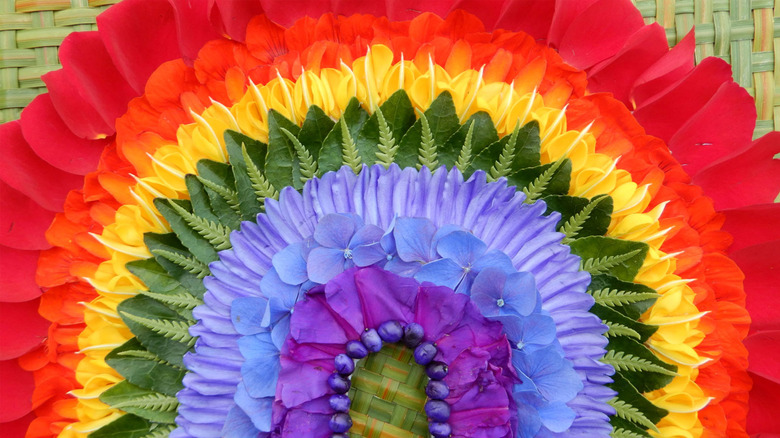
pixel 746 33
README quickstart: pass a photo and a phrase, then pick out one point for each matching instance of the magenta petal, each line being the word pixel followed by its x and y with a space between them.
pixel 385 296
pixel 300 382
pixel 309 420
pixel 139 36
pixel 439 310
pixel 314 321
pixel 57 145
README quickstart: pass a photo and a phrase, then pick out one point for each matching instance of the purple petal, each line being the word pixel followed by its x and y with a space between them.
pixel 442 272
pixel 325 263
pixel 413 239
pixel 335 231
pixel 462 247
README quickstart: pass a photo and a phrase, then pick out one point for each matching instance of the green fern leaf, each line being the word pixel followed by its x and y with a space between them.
pixel 171 329
pixel 503 165
pixel 161 431
pixel 628 412
pixel 602 265
pixel 628 362
pixel 147 355
pixel 217 235
pixel 189 264
pixel 185 301
pixel 464 158
pixel 387 147
pixel 230 196
pixel 575 223
pixel 623 433
pixel 614 297
pixel 427 155
pixel 538 186
pixel 152 402
pixel 349 153
pixel 261 186
pixel 307 163
pixel 617 329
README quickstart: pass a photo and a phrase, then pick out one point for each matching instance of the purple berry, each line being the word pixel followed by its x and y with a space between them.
pixel 344 364
pixel 340 422
pixel 391 331
pixel 439 430
pixel 425 352
pixel 437 410
pixel 338 383
pixel 413 334
pixel 437 390
pixel 437 370
pixel 339 402
pixel 356 350
pixel 338 435
pixel 371 340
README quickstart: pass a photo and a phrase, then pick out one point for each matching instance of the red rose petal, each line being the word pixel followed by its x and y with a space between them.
pixel 230 17
pixel 587 41
pixel 87 62
pixel 752 225
pixel 618 73
pixel 403 10
pixel 712 134
pixel 17 275
pixel 761 266
pixel 762 415
pixel 74 108
pixel 672 67
pixel 763 354
pixel 752 177
pixel 22 221
pixel 17 388
pixel 193 27
pixel 57 145
pixel 17 428
pixel 23 170
pixel 531 16
pixel 139 36
pixel 21 328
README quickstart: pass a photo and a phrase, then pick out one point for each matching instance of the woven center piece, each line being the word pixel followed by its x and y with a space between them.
pixel 388 395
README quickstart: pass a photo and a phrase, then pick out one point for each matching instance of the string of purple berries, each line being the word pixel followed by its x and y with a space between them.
pixel 371 341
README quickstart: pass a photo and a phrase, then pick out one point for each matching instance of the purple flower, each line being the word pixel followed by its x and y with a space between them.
pixel 344 242
pixel 497 293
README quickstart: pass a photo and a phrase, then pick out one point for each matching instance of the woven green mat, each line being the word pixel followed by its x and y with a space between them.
pixel 745 33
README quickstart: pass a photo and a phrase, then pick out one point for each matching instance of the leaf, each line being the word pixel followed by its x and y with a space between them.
pixel 169 242
pixel 144 369
pixel 175 330
pixel 216 234
pixel 638 364
pixel 192 240
pixel 443 123
pixel 617 329
pixel 147 308
pixel 399 114
pixel 427 155
pixel 629 393
pixel 609 315
pixel 621 258
pixel 581 217
pixel 315 129
pixel 628 412
pixel 331 154
pixel 620 432
pixel 483 134
pixel 189 264
pixel 616 298
pixel 387 147
pixel 633 309
pixel 126 426
pixel 147 404
pixel 199 198
pixel 519 150
pixel 221 188
pixel 281 167
pixel 544 179
pixel 464 157
pixel 247 157
pixel 306 163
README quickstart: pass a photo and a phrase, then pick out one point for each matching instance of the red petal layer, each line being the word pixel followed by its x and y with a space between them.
pixel 762 414
pixel 192 26
pixel 17 391
pixel 752 225
pixel 74 108
pixel 763 354
pixel 761 266
pixel 21 328
pixel 57 145
pixel 17 275
pixel 22 221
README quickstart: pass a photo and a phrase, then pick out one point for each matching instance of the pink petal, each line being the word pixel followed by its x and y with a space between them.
pixel 23 170
pixel 17 275
pixel 22 221
pixel 752 177
pixel 57 145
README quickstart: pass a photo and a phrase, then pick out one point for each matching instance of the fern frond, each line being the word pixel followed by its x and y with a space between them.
pixel 218 235
pixel 501 167
pixel 189 264
pixel 427 154
pixel 185 301
pixel 628 412
pixel 575 223
pixel 230 196
pixel 614 297
pixel 261 186
pixel 386 147
pixel 623 433
pixel 349 153
pixel 628 362
pixel 147 355
pixel 464 158
pixel 604 264
pixel 161 431
pixel 171 329
pixel 539 185
pixel 617 329
pixel 151 402
pixel 307 163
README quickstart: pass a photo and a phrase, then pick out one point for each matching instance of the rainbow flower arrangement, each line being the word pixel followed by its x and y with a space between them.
pixel 249 219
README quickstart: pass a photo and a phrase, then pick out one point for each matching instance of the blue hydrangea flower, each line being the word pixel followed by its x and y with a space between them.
pixel 344 242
